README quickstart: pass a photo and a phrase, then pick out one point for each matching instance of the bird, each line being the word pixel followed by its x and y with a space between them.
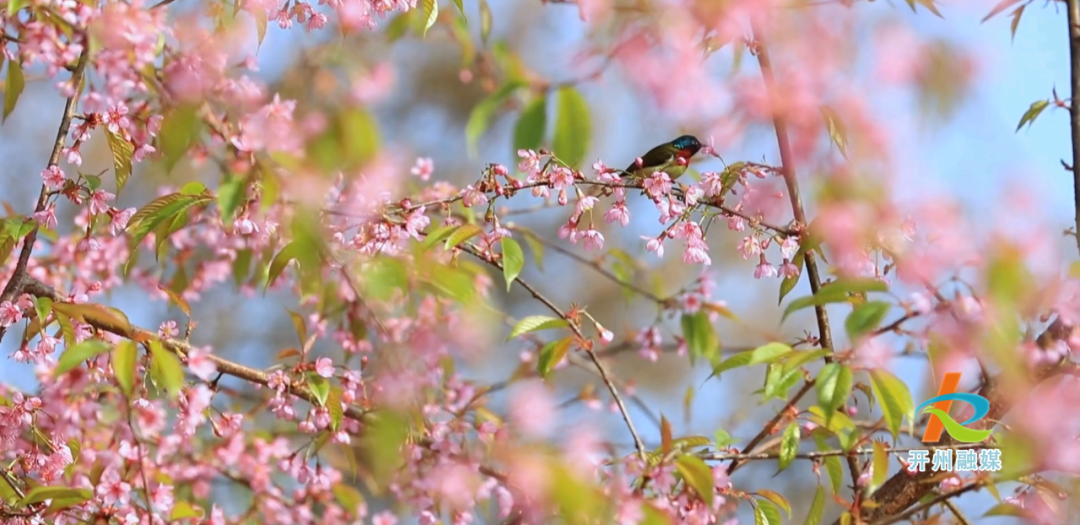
pixel 671 158
pixel 666 158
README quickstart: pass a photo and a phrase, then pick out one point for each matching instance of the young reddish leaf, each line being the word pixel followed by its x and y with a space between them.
pixel 288 352
pixel 665 435
pixel 124 360
pixel 300 325
pixel 999 7
pixel 177 299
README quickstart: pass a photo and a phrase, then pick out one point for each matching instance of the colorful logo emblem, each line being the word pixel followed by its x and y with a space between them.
pixel 940 419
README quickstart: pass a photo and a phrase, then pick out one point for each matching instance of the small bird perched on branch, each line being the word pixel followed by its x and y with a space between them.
pixel 670 157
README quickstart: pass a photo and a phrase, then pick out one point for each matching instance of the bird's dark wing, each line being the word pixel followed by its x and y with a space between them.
pixel 658 157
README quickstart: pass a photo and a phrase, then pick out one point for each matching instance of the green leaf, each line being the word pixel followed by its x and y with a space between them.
pixel 347 496
pixel 865 318
pixel 833 388
pixel 183 509
pixel 460 8
pixel 531 125
pixel 1005 509
pixel 281 260
pixel 319 386
pixel 336 409
pixel 359 136
pixel 1032 113
pixel 789 446
pixel 537 249
pixel 817 509
pixel 779 381
pixel 894 397
pixel 180 127
pixel 229 196
pixel 724 439
pixel 437 235
pixel 881 466
pixel 14 6
pixel 572 127
pixel 551 354
pixel 797 359
pixel 700 337
pixel 13 87
pixel 766 513
pixel 122 150
pixel 835 292
pixel 124 358
pixel 74 356
pixel 42 493
pixel 769 353
pixel 462 234
pixel 454 284
pixel 485 21
pixel 697 475
pixel 165 369
pixel 513 260
pixel 836 473
pixel 535 323
pixel 836 129
pixel 431 14
pixel 7 491
pixel 776 499
pixel 736 361
pixel 481 115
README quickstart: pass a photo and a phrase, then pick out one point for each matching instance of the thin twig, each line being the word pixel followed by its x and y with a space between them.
pixel 767 429
pixel 604 375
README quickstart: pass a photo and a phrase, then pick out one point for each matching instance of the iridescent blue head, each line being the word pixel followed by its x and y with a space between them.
pixel 688 144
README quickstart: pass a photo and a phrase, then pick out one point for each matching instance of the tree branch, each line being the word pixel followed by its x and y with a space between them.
pixel 1074 108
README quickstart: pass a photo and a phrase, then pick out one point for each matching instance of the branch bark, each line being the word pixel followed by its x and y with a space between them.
pixel 1074 108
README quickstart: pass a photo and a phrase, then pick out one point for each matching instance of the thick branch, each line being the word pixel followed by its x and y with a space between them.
pixel 54 159
pixel 36 288
pixel 1074 108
